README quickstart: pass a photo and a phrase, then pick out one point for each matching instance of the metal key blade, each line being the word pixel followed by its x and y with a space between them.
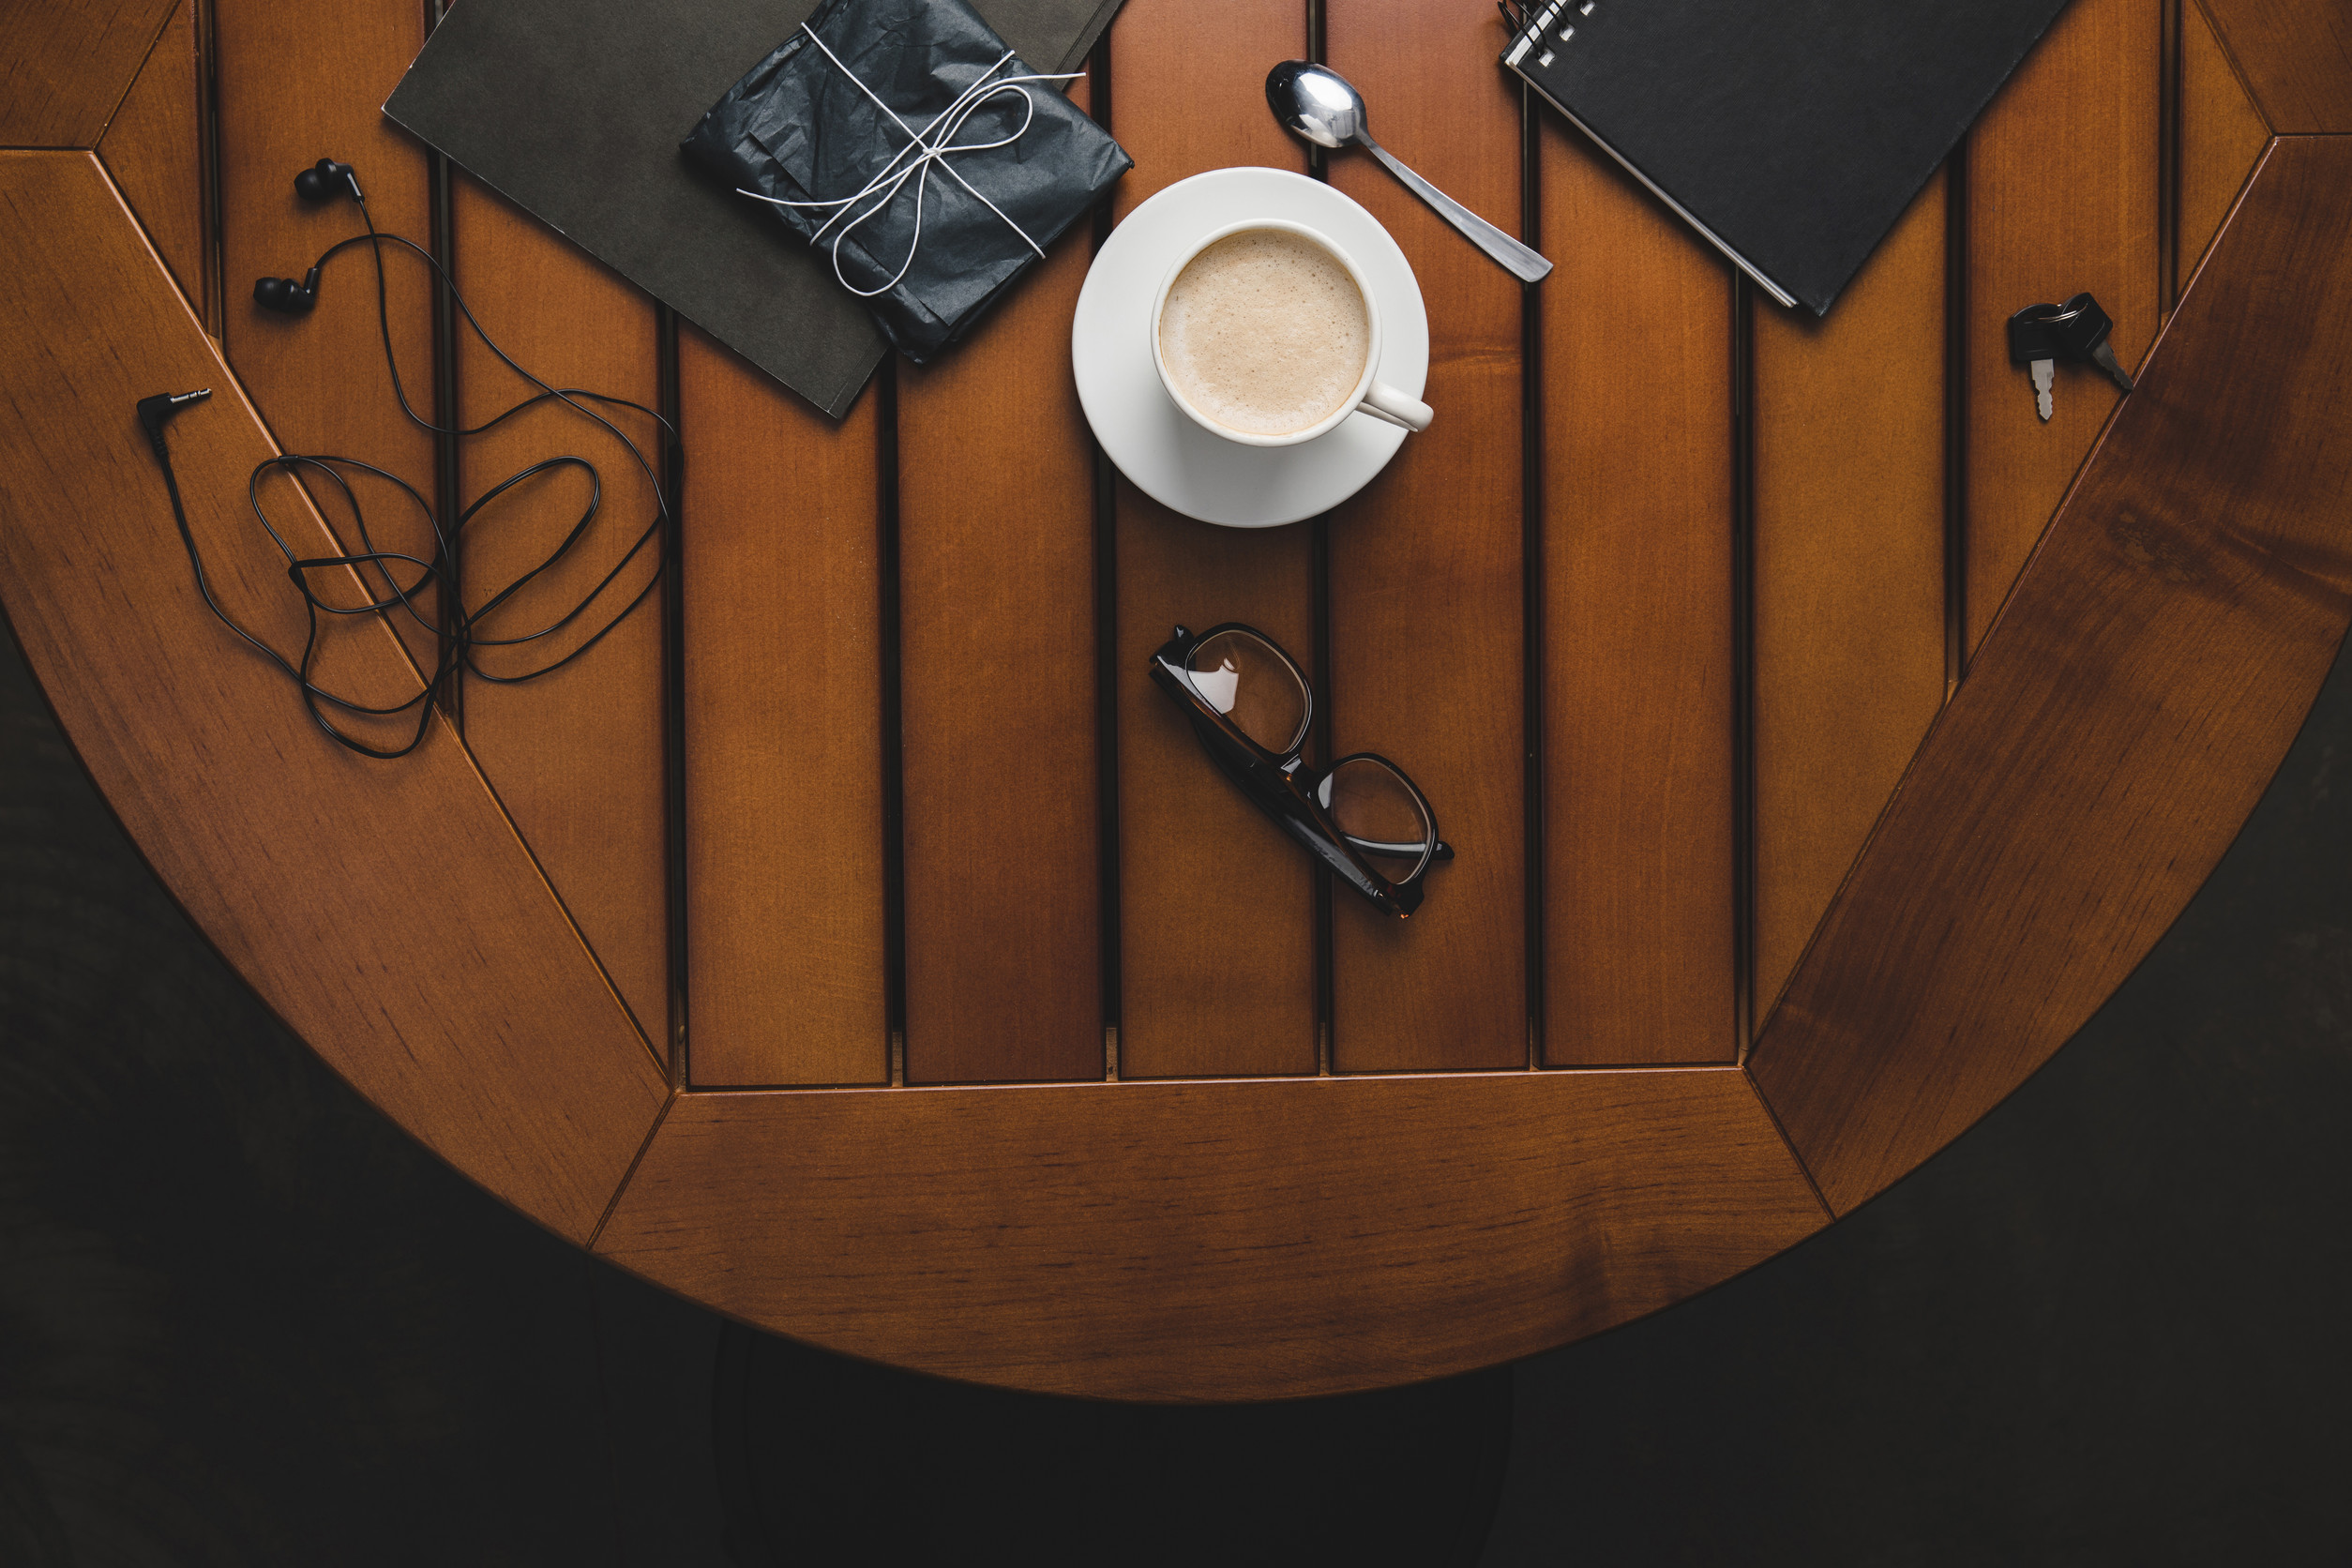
pixel 2031 346
pixel 2104 356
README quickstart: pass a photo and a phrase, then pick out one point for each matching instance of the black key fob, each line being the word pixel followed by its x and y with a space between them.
pixel 2079 329
pixel 2029 336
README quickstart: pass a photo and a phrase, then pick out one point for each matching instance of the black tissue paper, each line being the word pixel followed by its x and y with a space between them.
pixel 797 127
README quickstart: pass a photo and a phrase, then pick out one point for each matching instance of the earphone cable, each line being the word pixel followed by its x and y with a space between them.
pixel 468 633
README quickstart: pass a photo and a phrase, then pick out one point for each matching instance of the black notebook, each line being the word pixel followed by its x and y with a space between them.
pixel 1792 133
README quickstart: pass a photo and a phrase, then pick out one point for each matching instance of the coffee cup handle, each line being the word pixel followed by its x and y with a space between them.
pixel 1385 402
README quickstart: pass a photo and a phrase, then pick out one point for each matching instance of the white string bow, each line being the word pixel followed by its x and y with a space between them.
pixel 933 144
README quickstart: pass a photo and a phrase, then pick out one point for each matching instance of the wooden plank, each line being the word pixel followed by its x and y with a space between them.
pixel 1638 665
pixel 1426 631
pixel 577 755
pixel 1848 573
pixel 2120 722
pixel 320 380
pixel 1212 1240
pixel 154 149
pixel 384 909
pixel 1217 908
pixel 67 66
pixel 2221 137
pixel 2296 58
pixel 996 523
pixel 1189 90
pixel 1198 864
pixel 2063 183
pixel 784 745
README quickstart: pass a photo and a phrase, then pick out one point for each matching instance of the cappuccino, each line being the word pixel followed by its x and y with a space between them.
pixel 1265 332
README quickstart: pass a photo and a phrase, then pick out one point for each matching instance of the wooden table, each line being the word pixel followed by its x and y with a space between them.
pixel 1825 737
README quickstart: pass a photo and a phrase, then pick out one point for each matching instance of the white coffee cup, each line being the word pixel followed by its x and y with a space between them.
pixel 1370 395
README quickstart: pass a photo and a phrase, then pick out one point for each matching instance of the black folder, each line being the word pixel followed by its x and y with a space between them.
pixel 1790 133
pixel 573 109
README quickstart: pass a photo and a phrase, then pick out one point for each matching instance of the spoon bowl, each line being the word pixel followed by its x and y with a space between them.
pixel 1315 102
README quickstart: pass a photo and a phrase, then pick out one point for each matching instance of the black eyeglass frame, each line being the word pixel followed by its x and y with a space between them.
pixel 1275 784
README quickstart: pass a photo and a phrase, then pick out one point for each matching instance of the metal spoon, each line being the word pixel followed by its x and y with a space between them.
pixel 1317 103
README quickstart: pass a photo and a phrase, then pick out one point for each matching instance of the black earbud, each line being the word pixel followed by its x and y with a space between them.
pixel 285 295
pixel 322 181
pixel 326 180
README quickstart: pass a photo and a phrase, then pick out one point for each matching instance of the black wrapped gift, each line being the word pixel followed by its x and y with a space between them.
pixel 904 141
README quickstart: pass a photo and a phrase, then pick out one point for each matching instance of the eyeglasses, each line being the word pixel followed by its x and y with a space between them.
pixel 1251 707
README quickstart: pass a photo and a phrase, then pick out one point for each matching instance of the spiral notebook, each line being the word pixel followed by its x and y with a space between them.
pixel 1790 133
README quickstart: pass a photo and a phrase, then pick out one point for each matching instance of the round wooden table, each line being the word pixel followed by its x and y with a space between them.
pixel 857 943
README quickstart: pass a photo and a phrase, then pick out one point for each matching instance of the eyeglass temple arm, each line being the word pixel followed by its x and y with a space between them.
pixel 1373 846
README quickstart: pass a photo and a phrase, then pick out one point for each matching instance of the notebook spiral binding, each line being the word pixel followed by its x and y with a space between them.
pixel 1533 24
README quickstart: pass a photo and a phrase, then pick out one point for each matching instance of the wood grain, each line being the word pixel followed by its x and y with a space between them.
pixel 996 522
pixel 320 380
pixel 67 66
pixel 1212 1240
pixel 384 911
pixel 1638 664
pixel 2120 722
pixel 2064 181
pixel 784 745
pixel 1849 579
pixel 2221 137
pixel 152 147
pixel 2297 56
pixel 575 755
pixel 1427 635
pixel 1189 90
pixel 1216 908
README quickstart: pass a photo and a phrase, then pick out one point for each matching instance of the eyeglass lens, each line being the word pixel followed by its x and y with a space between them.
pixel 1243 678
pixel 1379 811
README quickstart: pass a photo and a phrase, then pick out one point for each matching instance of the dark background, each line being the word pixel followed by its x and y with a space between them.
pixel 244 1320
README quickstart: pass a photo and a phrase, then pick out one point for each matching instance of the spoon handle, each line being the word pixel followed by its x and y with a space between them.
pixel 1517 259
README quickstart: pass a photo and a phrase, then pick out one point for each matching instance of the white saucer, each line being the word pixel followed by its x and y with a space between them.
pixel 1172 459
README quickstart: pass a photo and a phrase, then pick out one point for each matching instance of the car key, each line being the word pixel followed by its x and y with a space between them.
pixel 2080 331
pixel 2032 344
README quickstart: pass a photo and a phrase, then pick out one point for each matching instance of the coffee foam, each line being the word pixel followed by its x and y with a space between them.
pixel 1265 332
